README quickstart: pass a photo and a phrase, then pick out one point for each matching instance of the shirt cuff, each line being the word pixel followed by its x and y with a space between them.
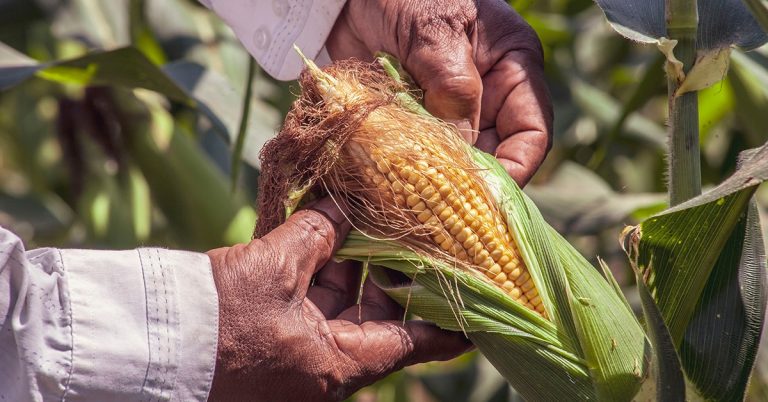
pixel 144 323
pixel 269 29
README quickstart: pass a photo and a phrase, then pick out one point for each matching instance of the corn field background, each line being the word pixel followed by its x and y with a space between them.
pixel 139 150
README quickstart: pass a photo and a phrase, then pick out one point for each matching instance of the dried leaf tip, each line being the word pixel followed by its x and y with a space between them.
pixel 312 67
pixel 327 83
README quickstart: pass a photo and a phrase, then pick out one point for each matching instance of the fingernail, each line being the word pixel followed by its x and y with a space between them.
pixel 328 207
pixel 465 128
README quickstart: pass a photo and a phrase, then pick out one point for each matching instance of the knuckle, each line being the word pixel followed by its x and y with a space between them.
pixel 528 41
pixel 429 23
pixel 518 37
pixel 394 356
pixel 316 231
pixel 273 272
pixel 461 88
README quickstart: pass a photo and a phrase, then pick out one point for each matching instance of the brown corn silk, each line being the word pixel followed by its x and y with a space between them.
pixel 401 175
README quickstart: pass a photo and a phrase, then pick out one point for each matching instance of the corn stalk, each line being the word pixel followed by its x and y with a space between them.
pixel 684 155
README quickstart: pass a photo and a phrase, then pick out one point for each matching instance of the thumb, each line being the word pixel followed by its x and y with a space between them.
pixel 307 240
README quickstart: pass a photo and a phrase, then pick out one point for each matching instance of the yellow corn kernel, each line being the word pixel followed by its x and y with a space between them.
pixel 475 249
pixel 463 235
pixel 457 219
pixel 481 256
pixel 423 216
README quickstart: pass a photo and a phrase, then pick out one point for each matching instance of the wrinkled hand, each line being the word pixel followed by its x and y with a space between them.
pixel 478 63
pixel 281 339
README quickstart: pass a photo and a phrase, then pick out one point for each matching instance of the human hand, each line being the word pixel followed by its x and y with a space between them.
pixel 479 64
pixel 284 340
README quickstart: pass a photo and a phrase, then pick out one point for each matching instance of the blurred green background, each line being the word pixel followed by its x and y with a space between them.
pixel 118 121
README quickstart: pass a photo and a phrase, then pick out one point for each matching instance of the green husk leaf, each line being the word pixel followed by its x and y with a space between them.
pixel 394 69
pixel 530 234
pixel 603 330
pixel 608 275
pixel 590 348
pixel 511 335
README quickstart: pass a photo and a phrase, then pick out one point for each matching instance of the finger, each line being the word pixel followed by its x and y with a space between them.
pixel 305 242
pixel 374 305
pixel 441 61
pixel 344 42
pixel 522 153
pixel 381 347
pixel 516 108
pixel 335 287
pixel 523 116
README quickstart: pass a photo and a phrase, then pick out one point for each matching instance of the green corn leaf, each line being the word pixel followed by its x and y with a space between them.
pixel 126 67
pixel 759 10
pixel 223 105
pixel 728 319
pixel 722 23
pixel 188 83
pixel 704 265
pixel 670 381
pixel 750 86
pixel 141 33
pixel 185 184
pixel 15 67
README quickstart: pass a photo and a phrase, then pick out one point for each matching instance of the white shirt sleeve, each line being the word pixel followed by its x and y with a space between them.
pixel 269 28
pixel 138 325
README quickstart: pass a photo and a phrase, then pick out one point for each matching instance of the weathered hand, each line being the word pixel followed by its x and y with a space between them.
pixel 478 62
pixel 281 339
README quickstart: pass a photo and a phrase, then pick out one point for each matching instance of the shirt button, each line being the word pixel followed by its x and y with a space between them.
pixel 280 7
pixel 261 38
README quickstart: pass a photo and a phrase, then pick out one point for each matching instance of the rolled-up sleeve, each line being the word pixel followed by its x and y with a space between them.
pixel 138 325
pixel 269 28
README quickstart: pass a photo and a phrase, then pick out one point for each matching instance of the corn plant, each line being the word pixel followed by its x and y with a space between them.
pixel 700 265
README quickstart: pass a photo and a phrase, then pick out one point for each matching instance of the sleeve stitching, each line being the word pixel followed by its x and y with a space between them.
pixel 167 324
pixel 160 375
pixel 144 390
pixel 70 323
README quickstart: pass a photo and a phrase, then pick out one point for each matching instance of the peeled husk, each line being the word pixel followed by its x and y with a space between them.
pixel 589 347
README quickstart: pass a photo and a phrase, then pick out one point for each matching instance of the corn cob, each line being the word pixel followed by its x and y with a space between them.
pixel 448 203
pixel 408 175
